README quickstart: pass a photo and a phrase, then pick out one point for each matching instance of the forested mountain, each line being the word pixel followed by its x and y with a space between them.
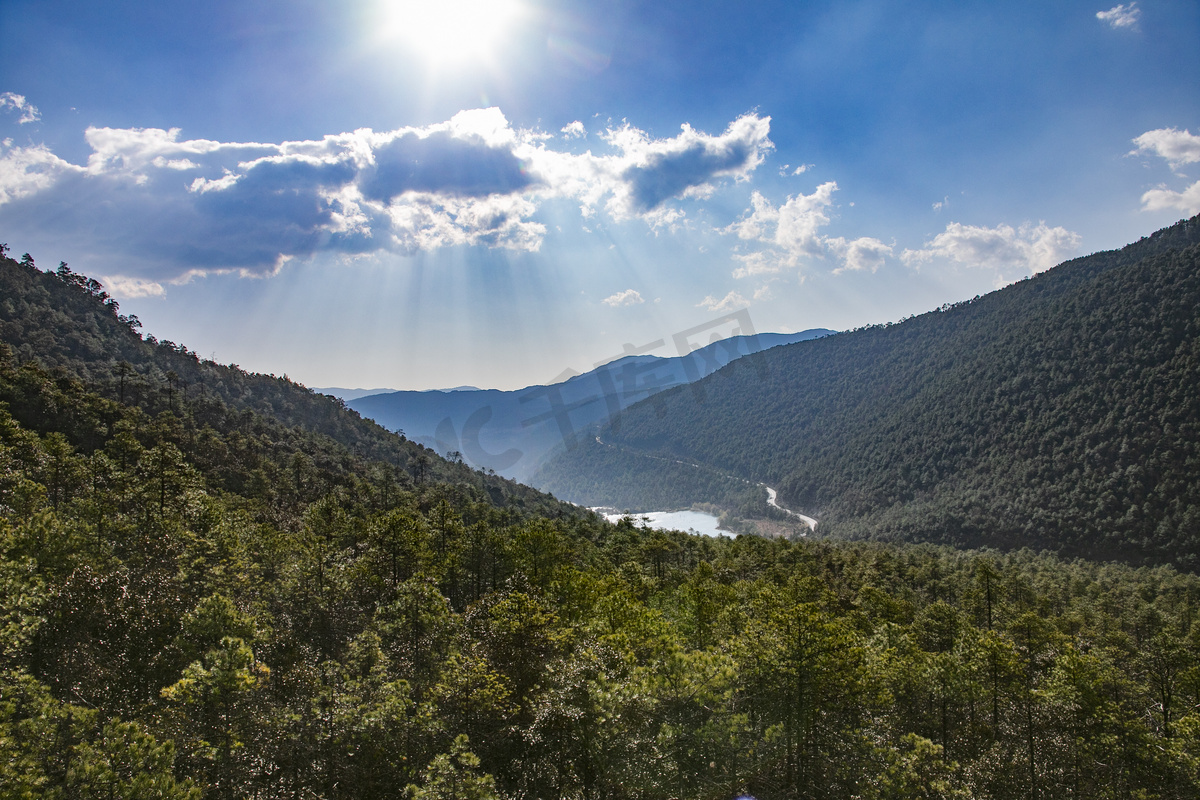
pixel 67 324
pixel 230 590
pixel 513 432
pixel 1060 412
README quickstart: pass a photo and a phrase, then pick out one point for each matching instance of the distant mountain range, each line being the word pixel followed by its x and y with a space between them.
pixel 512 432
pixel 348 394
pixel 353 394
pixel 1060 412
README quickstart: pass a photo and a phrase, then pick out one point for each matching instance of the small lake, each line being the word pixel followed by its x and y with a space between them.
pixel 691 521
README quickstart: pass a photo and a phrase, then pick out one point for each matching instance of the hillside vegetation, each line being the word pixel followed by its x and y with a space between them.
pixel 223 593
pixel 1060 412
pixel 66 325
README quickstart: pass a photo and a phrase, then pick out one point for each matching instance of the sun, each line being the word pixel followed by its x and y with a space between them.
pixel 447 32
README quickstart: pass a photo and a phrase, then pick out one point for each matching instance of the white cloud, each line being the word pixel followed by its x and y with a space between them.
pixel 792 233
pixel 1030 248
pixel 123 287
pixel 427 222
pixel 129 152
pixel 629 297
pixel 17 102
pixel 793 227
pixel 1187 201
pixel 864 254
pixel 169 207
pixel 727 303
pixel 1122 16
pixel 664 218
pixel 574 130
pixel 759 262
pixel 651 171
pixel 175 163
pixel 787 169
pixel 763 293
pixel 25 171
pixel 1176 146
pixel 800 219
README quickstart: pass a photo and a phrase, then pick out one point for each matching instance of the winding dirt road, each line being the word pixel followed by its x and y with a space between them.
pixel 771 494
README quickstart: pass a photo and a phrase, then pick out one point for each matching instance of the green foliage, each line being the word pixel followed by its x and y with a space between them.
pixel 455 776
pixel 212 603
pixel 244 430
pixel 51 749
pixel 916 771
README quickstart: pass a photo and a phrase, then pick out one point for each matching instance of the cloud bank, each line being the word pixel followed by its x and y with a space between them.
pixel 157 207
pixel 1002 248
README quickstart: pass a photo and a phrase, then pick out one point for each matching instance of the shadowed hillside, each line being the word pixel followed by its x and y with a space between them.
pixel 1060 412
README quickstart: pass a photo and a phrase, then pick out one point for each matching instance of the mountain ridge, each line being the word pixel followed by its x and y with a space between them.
pixel 65 323
pixel 1056 412
pixel 511 432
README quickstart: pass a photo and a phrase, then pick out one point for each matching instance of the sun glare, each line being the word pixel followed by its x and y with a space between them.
pixel 448 31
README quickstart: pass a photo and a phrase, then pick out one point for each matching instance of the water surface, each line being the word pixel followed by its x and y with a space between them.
pixel 691 521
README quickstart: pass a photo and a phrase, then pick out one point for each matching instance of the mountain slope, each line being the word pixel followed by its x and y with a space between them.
pixel 68 325
pixel 512 432
pixel 1059 412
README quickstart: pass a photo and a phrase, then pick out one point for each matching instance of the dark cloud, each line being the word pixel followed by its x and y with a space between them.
pixel 275 175
pixel 670 174
pixel 293 191
pixel 443 164
pixel 157 228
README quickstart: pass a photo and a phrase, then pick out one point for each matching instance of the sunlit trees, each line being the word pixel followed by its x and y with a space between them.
pixel 215 703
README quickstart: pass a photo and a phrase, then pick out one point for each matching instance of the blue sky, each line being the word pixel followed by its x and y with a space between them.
pixel 364 193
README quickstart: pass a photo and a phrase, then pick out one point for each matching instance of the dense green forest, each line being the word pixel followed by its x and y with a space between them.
pixel 1060 412
pixel 67 324
pixel 219 585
